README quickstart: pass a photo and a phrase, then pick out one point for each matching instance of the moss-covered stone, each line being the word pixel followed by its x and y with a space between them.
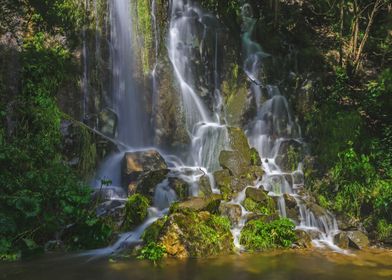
pixel 259 235
pixel 205 186
pixel 234 162
pixel 151 234
pixel 258 202
pixel 196 234
pixel 180 187
pixel 136 210
pixel 210 204
pixel 237 103
pixel 223 183
pixel 231 211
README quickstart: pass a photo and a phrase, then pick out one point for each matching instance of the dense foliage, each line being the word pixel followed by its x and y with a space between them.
pixel 41 198
pixel 259 235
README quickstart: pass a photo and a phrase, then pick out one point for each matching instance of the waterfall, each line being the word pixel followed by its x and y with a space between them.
pixel 273 132
pixel 127 97
pixel 189 29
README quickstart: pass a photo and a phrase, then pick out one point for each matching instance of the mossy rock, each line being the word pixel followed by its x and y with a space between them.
pixel 239 142
pixel 231 211
pixel 180 187
pixel 237 104
pixel 210 204
pixel 259 235
pixel 242 161
pixel 223 183
pixel 258 201
pixel 234 162
pixel 136 211
pixel 151 234
pixel 196 234
pixel 228 184
pixel 205 186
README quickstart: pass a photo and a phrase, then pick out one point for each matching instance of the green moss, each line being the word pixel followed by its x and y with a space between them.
pixel 202 233
pixel 136 210
pixel 256 207
pixel 258 235
pixel 144 23
pixel 151 234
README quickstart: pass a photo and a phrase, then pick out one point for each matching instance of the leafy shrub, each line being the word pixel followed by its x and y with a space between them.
pixel 259 235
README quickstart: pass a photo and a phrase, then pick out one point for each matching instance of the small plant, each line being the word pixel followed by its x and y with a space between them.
pixel 153 252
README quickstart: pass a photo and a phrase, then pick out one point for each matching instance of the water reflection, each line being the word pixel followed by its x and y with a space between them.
pixel 374 264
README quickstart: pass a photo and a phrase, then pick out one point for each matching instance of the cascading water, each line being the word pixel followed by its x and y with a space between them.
pixel 128 102
pixel 273 132
pixel 189 29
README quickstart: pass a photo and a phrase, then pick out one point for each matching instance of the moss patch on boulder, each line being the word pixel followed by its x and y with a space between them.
pixel 196 234
pixel 136 210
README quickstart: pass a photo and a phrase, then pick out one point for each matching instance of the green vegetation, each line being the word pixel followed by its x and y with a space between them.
pixel 258 235
pixel 42 196
pixel 136 210
pixel 255 207
pixel 153 252
pixel 151 234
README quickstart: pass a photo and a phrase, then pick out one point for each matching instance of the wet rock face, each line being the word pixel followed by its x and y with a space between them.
pixel 258 202
pixel 290 155
pixel 351 239
pixel 137 164
pixel 241 165
pixel 232 212
pixel 304 239
pixel 180 187
pixel 210 204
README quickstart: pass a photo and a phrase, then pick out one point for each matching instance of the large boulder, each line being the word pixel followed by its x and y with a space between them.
pixel 137 163
pixel 228 184
pixel 196 234
pixel 234 162
pixel 304 239
pixel 147 182
pixel 258 202
pixel 241 161
pixel 210 204
pixel 351 239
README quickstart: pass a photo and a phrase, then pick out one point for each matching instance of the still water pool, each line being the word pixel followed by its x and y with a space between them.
pixel 369 265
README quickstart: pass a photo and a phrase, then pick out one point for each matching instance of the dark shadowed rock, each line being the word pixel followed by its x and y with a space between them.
pixel 137 163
